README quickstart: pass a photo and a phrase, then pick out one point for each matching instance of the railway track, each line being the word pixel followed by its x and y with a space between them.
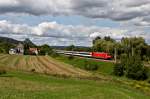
pixel 92 58
pixel 86 55
pixel 101 60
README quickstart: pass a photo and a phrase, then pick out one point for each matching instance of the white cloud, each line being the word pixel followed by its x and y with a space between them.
pixel 65 34
pixel 111 9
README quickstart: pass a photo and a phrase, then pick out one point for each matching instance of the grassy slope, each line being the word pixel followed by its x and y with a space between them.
pixel 104 67
pixel 34 86
pixel 105 70
pixel 17 85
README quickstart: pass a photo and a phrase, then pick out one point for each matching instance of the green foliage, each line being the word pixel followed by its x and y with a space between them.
pixel 132 67
pixel 106 44
pixel 108 38
pixel 97 38
pixel 91 66
pixel 28 44
pixel 135 69
pixel 45 50
pixel 134 45
pixel 70 57
pixel 2 50
pixel 26 51
pixel 5 47
pixel 118 70
pixel 148 81
pixel 130 46
pixel 70 48
pixel 54 54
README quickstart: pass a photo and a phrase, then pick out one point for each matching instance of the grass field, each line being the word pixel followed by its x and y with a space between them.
pixel 20 83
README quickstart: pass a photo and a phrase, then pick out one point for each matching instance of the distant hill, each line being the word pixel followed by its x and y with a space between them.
pixel 15 42
pixel 7 43
pixel 9 40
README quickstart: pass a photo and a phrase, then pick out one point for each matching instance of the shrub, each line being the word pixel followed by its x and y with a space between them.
pixel 118 70
pixel 90 66
pixel 132 67
pixel 33 70
pixel 137 73
pixel 54 54
pixel 70 57
pixel 149 81
pixel 135 69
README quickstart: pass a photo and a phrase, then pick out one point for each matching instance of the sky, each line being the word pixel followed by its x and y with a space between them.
pixel 77 22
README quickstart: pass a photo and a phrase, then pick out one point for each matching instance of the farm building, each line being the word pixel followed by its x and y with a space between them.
pixel 12 51
pixel 34 51
pixel 18 50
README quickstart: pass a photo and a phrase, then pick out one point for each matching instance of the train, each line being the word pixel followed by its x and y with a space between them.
pixel 100 55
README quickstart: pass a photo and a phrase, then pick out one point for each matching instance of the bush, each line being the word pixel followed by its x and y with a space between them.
pixel 54 54
pixel 118 70
pixel 149 81
pixel 135 69
pixel 90 66
pixel 33 70
pixel 70 57
pixel 132 67
pixel 137 73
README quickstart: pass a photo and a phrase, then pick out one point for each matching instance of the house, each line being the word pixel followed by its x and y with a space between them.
pixel 18 50
pixel 12 51
pixel 34 51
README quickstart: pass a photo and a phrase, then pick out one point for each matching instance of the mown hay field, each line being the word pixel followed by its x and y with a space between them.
pixel 40 64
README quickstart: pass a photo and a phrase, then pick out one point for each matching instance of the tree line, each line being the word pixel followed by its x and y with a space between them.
pixel 129 46
pixel 131 52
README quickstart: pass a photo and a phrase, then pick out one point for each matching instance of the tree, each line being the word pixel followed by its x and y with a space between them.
pixel 106 44
pixel 5 47
pixel 119 68
pixel 27 44
pixel 135 69
pixel 97 38
pixel 108 38
pixel 134 45
pixel 70 48
pixel 45 49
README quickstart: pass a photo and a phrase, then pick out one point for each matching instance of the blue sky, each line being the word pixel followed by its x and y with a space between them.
pixel 78 22
pixel 66 20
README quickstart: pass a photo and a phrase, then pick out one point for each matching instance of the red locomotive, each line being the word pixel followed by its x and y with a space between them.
pixel 101 55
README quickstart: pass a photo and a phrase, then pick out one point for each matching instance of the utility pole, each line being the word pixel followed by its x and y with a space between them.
pixel 132 51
